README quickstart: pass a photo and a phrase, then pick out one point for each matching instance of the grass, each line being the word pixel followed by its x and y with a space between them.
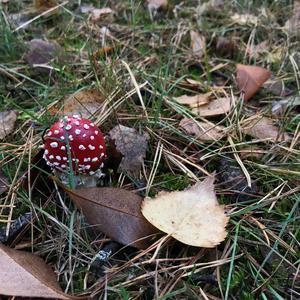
pixel 260 257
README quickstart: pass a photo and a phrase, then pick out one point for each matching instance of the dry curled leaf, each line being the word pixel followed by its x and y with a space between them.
pixel 225 46
pixel 204 131
pixel 97 13
pixel 198 44
pixel 193 216
pixel 132 145
pixel 40 53
pixel 215 107
pixel 26 275
pixel 250 79
pixel 263 128
pixel 195 100
pixel 7 123
pixel 85 103
pixel 115 212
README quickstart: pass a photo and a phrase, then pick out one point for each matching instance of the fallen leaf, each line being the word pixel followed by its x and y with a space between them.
pixel 198 44
pixel 293 24
pixel 244 19
pixel 233 180
pixel 205 131
pixel 155 5
pixel 3 183
pixel 85 9
pixel 211 5
pixel 26 275
pixel 215 107
pixel 225 47
pixel 43 5
pixel 257 50
pixel 250 79
pixel 194 101
pixel 277 88
pixel 41 53
pixel 263 128
pixel 97 13
pixel 7 123
pixel 132 145
pixel 279 107
pixel 193 216
pixel 115 212
pixel 85 103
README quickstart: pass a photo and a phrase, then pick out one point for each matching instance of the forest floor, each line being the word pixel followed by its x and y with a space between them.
pixel 128 64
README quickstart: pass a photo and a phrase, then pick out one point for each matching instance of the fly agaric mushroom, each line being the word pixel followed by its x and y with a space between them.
pixel 75 142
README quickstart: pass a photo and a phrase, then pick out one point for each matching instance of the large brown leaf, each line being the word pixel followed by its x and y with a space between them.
pixel 115 212
pixel 26 275
pixel 250 79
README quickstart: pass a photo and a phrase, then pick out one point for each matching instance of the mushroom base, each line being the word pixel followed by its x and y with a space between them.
pixel 80 180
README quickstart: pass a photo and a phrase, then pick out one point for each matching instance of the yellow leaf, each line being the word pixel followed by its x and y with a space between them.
pixel 193 216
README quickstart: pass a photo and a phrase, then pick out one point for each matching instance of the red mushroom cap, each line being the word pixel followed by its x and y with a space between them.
pixel 76 141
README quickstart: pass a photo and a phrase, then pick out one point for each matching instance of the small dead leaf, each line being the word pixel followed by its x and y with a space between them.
pixel 3 183
pixel 42 52
pixel 7 123
pixel 250 79
pixel 202 130
pixel 97 13
pixel 43 5
pixel 194 101
pixel 155 5
pixel 198 44
pixel 225 47
pixel 85 103
pixel 26 275
pixel 257 50
pixel 215 107
pixel 292 25
pixel 132 145
pixel 115 212
pixel 263 128
pixel 193 216
pixel 279 107
pixel 244 19
pixel 277 88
